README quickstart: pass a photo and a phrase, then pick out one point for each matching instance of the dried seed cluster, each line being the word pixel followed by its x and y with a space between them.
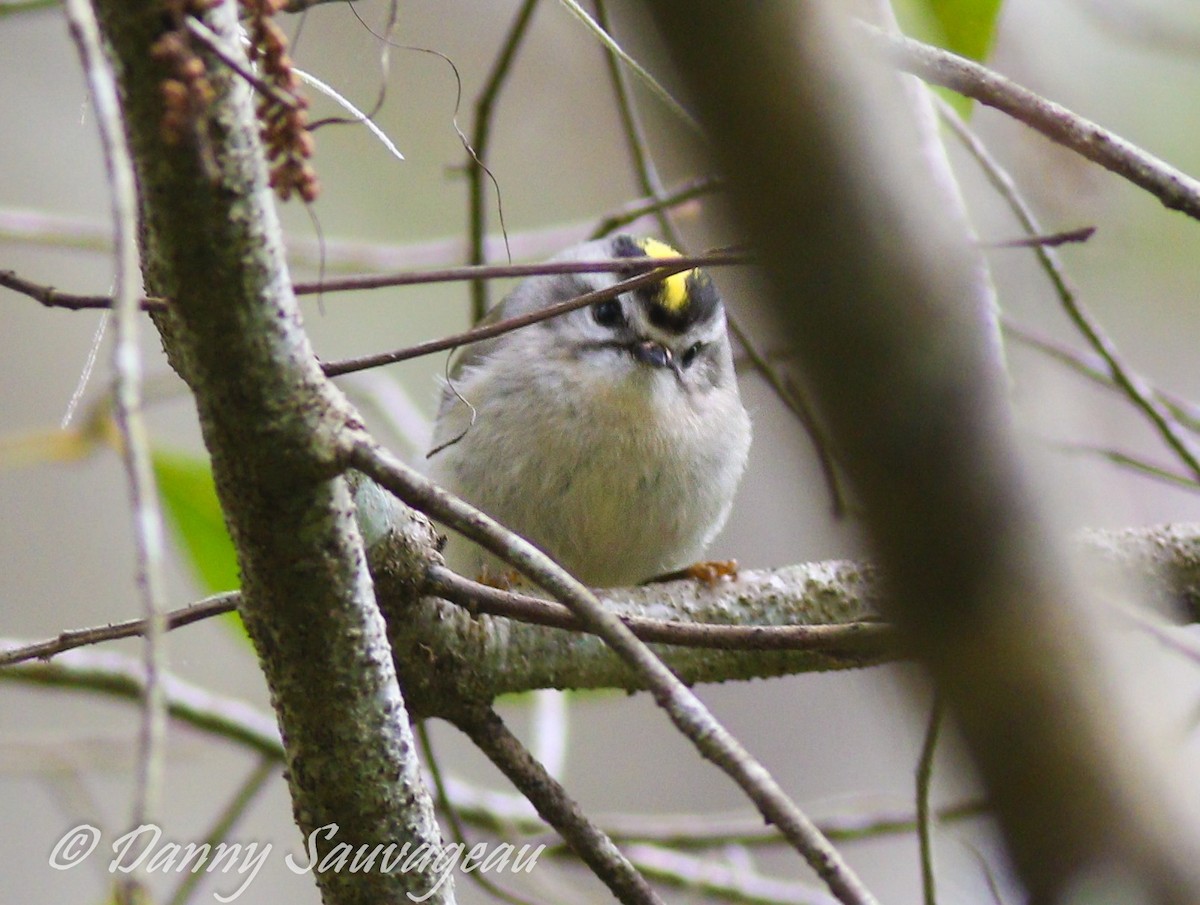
pixel 282 109
pixel 186 92
pixel 283 113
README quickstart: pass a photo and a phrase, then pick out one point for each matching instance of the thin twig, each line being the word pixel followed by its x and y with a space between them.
pixel 127 369
pixel 1050 240
pixel 1125 460
pixel 859 640
pixel 501 813
pixel 504 271
pixel 117 675
pixel 694 831
pixel 649 183
pixel 1131 383
pixel 489 733
pixel 924 813
pixel 25 6
pixel 254 783
pixel 640 71
pixel 450 812
pixel 485 106
pixel 487 331
pixel 232 720
pixel 722 881
pixel 54 298
pixel 1175 189
pixel 212 41
pixel 1176 638
pixel 989 873
pixel 300 6
pixel 653 204
pixel 789 394
pixel 850 639
pixel 130 628
pixel 685 710
pixel 339 255
pixel 1093 368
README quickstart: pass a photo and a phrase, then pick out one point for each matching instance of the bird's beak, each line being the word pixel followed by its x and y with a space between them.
pixel 656 355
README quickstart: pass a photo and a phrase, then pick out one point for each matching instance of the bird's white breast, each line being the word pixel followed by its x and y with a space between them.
pixel 620 480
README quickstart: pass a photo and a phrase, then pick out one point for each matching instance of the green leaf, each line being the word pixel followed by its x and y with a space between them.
pixel 965 27
pixel 25 6
pixel 185 485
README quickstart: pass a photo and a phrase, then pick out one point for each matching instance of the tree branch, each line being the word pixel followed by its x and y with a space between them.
pixel 685 710
pixel 117 675
pixel 858 642
pixel 127 404
pixel 485 106
pixel 1133 385
pixel 1174 188
pixel 489 733
pixel 815 616
pixel 71 639
pixel 487 331
pixel 213 246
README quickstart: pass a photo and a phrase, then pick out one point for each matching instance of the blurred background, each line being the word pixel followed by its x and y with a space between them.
pixel 838 743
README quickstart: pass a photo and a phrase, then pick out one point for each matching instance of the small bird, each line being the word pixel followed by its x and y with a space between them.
pixel 613 437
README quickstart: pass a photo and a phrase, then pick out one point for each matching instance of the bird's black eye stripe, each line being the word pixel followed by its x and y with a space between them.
pixel 690 355
pixel 608 313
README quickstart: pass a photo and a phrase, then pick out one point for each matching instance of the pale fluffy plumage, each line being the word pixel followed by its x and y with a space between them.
pixel 619 469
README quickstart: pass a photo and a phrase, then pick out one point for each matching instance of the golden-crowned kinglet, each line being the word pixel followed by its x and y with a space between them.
pixel 612 437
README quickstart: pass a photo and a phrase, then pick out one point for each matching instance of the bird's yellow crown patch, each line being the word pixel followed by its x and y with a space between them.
pixel 674 292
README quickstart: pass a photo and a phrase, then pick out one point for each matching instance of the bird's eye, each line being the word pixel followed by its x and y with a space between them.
pixel 690 355
pixel 608 313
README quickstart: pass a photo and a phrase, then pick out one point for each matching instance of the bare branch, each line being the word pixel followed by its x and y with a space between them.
pixel 818 609
pixel 685 710
pixel 1094 369
pixel 54 298
pixel 267 415
pixel 205 36
pixel 489 733
pixel 507 325
pixel 1135 387
pixel 485 106
pixel 245 795
pixel 130 628
pixel 859 643
pixel 924 787
pixel 710 831
pixel 722 881
pixel 117 675
pixel 1174 188
pixel 148 531
pixel 1048 240
pixel 654 204
pixel 663 268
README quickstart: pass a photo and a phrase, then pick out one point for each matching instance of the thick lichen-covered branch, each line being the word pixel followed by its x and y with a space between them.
pixel 212 244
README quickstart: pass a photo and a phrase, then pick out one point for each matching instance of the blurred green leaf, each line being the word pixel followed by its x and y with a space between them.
pixel 965 27
pixel 968 27
pixel 185 485
pixel 25 6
